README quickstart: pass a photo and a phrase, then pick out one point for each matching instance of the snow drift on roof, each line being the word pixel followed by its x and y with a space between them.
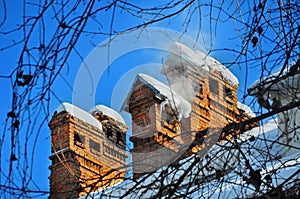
pixel 79 113
pixel 270 127
pixel 219 154
pixel 201 60
pixel 269 78
pixel 109 112
pixel 283 80
pixel 246 108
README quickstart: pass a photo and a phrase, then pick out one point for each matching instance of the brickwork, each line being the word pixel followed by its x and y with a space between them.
pixel 64 177
pixel 84 158
pixel 214 106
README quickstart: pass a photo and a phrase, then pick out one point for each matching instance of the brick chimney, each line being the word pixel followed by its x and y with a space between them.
pixel 87 153
pixel 201 95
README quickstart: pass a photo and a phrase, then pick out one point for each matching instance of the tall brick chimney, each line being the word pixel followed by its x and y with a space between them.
pixel 88 150
pixel 201 95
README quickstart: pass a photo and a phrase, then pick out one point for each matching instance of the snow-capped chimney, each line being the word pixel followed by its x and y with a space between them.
pixel 168 121
pixel 85 149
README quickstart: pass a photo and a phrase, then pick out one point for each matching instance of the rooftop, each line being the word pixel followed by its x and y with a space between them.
pixel 207 185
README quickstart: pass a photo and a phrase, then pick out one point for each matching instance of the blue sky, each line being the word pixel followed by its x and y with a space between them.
pixel 113 83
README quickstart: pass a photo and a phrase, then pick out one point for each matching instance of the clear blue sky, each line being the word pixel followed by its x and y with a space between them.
pixel 113 84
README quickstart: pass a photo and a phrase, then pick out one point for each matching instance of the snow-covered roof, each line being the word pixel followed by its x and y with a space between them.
pixel 79 113
pixel 109 112
pixel 200 61
pixel 245 108
pixel 219 154
pixel 175 100
pixel 280 170
pixel 270 128
pixel 280 79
